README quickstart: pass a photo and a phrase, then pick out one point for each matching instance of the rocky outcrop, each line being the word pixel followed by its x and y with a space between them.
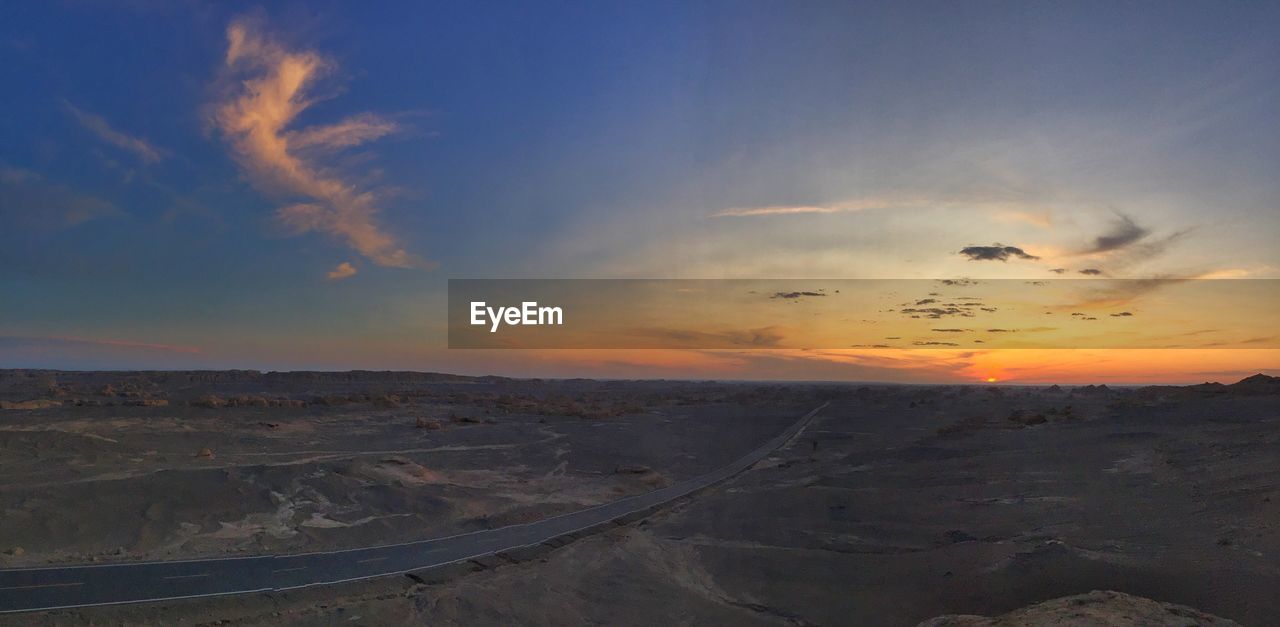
pixel 39 403
pixel 1257 384
pixel 1095 609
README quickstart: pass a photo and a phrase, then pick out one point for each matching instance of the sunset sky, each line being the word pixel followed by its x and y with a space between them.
pixel 200 185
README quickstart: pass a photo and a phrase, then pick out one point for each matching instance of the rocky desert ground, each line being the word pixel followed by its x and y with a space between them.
pixel 897 505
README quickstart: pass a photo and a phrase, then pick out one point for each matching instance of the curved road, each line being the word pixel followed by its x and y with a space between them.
pixel 27 589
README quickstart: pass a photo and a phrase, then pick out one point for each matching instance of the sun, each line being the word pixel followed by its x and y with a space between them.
pixel 991 379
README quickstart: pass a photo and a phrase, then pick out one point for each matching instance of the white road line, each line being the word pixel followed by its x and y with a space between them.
pixel 44 585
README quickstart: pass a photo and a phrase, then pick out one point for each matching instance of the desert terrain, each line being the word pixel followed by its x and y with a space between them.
pixel 897 504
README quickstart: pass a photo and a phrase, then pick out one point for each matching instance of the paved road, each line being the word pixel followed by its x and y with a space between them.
pixel 26 589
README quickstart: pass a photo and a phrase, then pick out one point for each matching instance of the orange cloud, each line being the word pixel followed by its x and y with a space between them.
pixel 840 207
pixel 271 92
pixel 342 271
pixel 98 126
pixel 174 348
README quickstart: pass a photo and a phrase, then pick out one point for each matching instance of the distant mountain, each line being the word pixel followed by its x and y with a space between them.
pixel 1257 384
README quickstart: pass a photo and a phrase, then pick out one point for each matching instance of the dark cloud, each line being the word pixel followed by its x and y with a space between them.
pixel 934 343
pixel 764 337
pixel 1123 233
pixel 1123 314
pixel 1091 271
pixel 950 330
pixel 1118 292
pixel 1127 242
pixel 995 252
pixel 936 312
pixel 958 282
pixel 1001 330
pixel 1058 270
pixel 795 294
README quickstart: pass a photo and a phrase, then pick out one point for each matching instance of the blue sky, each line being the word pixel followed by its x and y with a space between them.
pixel 732 139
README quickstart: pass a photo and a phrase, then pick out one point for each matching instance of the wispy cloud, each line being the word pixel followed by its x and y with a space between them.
pixel 27 199
pixel 99 126
pixel 1042 218
pixel 764 337
pixel 775 210
pixel 114 343
pixel 271 90
pixel 352 131
pixel 839 207
pixel 1124 231
pixel 1006 210
pixel 342 271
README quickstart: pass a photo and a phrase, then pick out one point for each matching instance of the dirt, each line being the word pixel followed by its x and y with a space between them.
pixel 882 512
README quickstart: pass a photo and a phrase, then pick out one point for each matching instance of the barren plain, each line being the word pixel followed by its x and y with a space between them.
pixel 897 504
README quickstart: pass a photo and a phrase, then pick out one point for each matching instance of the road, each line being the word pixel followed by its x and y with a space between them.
pixel 28 589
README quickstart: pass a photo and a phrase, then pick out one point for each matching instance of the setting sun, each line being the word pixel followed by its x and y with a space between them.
pixel 991 379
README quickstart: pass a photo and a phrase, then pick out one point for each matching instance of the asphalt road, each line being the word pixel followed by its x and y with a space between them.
pixel 27 589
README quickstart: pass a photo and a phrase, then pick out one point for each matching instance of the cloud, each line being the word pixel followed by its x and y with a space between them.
pixel 763 337
pixel 776 210
pixel 995 252
pixel 792 295
pixel 1001 209
pixel 1091 271
pixel 98 126
pixel 1127 243
pixel 1058 270
pixel 26 199
pixel 344 270
pixel 1042 218
pixel 1121 292
pixel 352 131
pixel 1124 231
pixel 935 313
pixel 270 87
pixel 65 340
pixel 80 353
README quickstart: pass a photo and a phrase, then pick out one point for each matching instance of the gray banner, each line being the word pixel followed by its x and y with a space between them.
pixel 863 313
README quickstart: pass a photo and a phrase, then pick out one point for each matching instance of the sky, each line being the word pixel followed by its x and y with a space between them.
pixel 285 186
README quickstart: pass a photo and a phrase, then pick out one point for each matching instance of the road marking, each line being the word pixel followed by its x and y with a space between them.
pixel 372 559
pixel 188 576
pixel 289 570
pixel 43 585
